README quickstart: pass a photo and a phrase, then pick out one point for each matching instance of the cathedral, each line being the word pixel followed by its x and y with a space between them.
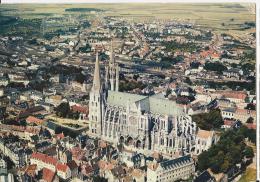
pixel 148 123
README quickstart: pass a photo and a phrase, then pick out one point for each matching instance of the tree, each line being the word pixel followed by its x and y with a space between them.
pixel 250 106
pixel 80 78
pixel 188 81
pixel 250 120
pixel 217 66
pixel 208 121
pixel 229 151
pixel 168 92
pixel 99 179
pixel 135 77
pixel 249 152
pixel 63 109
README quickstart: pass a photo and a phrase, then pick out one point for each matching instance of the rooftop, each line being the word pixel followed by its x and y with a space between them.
pixel 145 103
pixel 175 162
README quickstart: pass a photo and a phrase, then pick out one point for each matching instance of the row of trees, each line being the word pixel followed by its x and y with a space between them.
pixel 176 46
pixel 250 86
pixel 166 62
pixel 130 85
pixel 82 10
pixel 63 69
pixel 64 111
pixel 209 121
pixel 216 66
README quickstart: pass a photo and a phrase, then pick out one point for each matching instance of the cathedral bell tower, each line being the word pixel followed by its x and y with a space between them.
pixel 96 101
pixel 112 72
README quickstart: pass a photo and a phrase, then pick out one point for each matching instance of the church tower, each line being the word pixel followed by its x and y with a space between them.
pixel 96 101
pixel 112 72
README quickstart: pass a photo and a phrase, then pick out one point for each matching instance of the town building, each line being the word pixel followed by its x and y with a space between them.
pixel 171 170
pixel 204 140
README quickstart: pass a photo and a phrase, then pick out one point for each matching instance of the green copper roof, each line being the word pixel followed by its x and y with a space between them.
pixel 149 104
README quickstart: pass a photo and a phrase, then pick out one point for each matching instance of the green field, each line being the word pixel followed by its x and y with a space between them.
pixel 249 176
pixel 221 18
pixel 211 15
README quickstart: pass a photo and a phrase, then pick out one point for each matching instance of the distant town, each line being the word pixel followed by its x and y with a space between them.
pixel 88 96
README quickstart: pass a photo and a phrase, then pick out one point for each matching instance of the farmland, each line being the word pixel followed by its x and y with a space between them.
pixel 220 17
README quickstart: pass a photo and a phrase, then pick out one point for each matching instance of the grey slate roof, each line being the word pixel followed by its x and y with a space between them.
pixel 175 162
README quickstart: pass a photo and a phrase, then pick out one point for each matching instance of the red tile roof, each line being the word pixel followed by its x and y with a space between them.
pixel 62 167
pixel 87 168
pixel 206 53
pixel 251 125
pixel 47 175
pixel 204 134
pixel 215 55
pixel 60 135
pixel 31 169
pixel 80 109
pixel 32 119
pixel 72 165
pixel 235 95
pixel 246 112
pixel 77 153
pixel 229 122
pixel 44 158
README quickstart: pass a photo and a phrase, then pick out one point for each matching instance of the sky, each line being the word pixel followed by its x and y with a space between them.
pixel 116 1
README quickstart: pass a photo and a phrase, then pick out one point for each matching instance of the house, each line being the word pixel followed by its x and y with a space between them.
pixel 138 175
pixel 83 111
pixel 54 100
pixel 36 95
pixel 237 97
pixel 4 81
pixel 34 120
pixel 228 113
pixel 205 177
pixel 118 172
pixel 233 72
pixel 132 159
pixel 225 103
pixel 244 114
pixel 31 111
pixel 65 156
pixel 204 140
pixel 229 124
pixel 51 163
pixel 31 170
pixel 73 168
pixel 55 79
pixel 47 175
pixel 43 161
pixel 171 170
pixel 87 169
pixel 238 114
pixel 3 167
pixel 63 171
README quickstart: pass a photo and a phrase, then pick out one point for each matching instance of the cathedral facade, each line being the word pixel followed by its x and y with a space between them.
pixel 140 122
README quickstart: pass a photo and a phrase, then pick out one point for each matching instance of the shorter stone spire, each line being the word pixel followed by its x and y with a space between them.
pixel 112 59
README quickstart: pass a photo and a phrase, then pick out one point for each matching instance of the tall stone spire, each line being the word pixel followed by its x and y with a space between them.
pixel 96 81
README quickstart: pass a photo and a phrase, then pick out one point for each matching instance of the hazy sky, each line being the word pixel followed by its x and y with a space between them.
pixel 116 1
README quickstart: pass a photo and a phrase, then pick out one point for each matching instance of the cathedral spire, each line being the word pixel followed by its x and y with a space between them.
pixel 117 78
pixel 96 80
